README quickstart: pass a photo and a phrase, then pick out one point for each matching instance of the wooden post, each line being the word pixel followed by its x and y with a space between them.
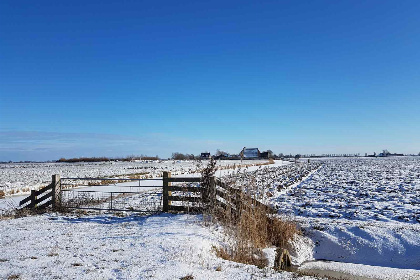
pixel 212 192
pixel 165 190
pixel 56 191
pixel 33 199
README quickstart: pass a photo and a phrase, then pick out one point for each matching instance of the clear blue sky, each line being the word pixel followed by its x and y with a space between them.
pixel 113 78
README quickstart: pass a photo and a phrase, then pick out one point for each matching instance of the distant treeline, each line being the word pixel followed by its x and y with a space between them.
pixel 181 156
pixel 101 159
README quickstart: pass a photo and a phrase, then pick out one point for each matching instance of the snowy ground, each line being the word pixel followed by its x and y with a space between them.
pixel 362 211
pixel 360 214
pixel 359 189
pixel 106 247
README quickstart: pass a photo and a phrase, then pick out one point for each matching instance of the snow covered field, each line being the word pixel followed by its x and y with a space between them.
pixel 386 189
pixel 360 214
pixel 360 210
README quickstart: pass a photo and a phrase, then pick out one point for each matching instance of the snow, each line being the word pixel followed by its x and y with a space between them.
pixel 161 246
pixel 390 244
pixel 360 214
pixel 358 271
pixel 354 210
pixel 20 178
pixel 362 211
pixel 359 189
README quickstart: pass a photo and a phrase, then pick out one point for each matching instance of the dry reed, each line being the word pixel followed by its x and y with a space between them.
pixel 250 225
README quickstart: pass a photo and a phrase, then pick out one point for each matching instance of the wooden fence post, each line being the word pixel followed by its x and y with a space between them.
pixel 212 192
pixel 165 191
pixel 33 199
pixel 56 191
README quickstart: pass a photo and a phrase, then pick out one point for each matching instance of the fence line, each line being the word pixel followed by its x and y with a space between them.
pixel 175 198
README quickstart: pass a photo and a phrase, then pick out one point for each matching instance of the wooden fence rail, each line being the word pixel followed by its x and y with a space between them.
pixel 50 195
pixel 190 203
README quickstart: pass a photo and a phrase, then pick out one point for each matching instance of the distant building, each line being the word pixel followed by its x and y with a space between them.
pixel 250 153
pixel 234 157
pixel 222 156
pixel 264 155
pixel 205 155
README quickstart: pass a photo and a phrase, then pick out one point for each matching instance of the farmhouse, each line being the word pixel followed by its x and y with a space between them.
pixel 250 153
pixel 205 155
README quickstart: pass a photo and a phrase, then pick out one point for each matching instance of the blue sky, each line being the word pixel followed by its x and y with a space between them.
pixel 113 78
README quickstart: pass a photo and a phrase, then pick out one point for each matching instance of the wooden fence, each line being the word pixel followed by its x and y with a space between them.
pixel 227 197
pixel 175 198
pixel 214 193
pixel 191 197
pixel 48 196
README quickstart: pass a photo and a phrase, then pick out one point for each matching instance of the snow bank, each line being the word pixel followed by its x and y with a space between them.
pixel 391 244
pixel 358 271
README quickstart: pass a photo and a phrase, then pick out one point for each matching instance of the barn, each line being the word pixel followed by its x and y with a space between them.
pixel 250 153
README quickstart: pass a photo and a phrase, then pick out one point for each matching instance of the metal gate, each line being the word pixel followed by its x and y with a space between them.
pixel 110 194
pixel 167 194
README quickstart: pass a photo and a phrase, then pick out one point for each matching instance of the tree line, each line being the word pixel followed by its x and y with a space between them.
pixel 102 159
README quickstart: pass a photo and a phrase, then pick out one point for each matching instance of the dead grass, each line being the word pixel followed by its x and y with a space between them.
pixel 102 183
pixel 140 175
pixel 13 276
pixel 187 277
pixel 2 194
pixel 246 255
pixel 25 190
pixel 253 230
pixel 250 225
pixel 14 213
